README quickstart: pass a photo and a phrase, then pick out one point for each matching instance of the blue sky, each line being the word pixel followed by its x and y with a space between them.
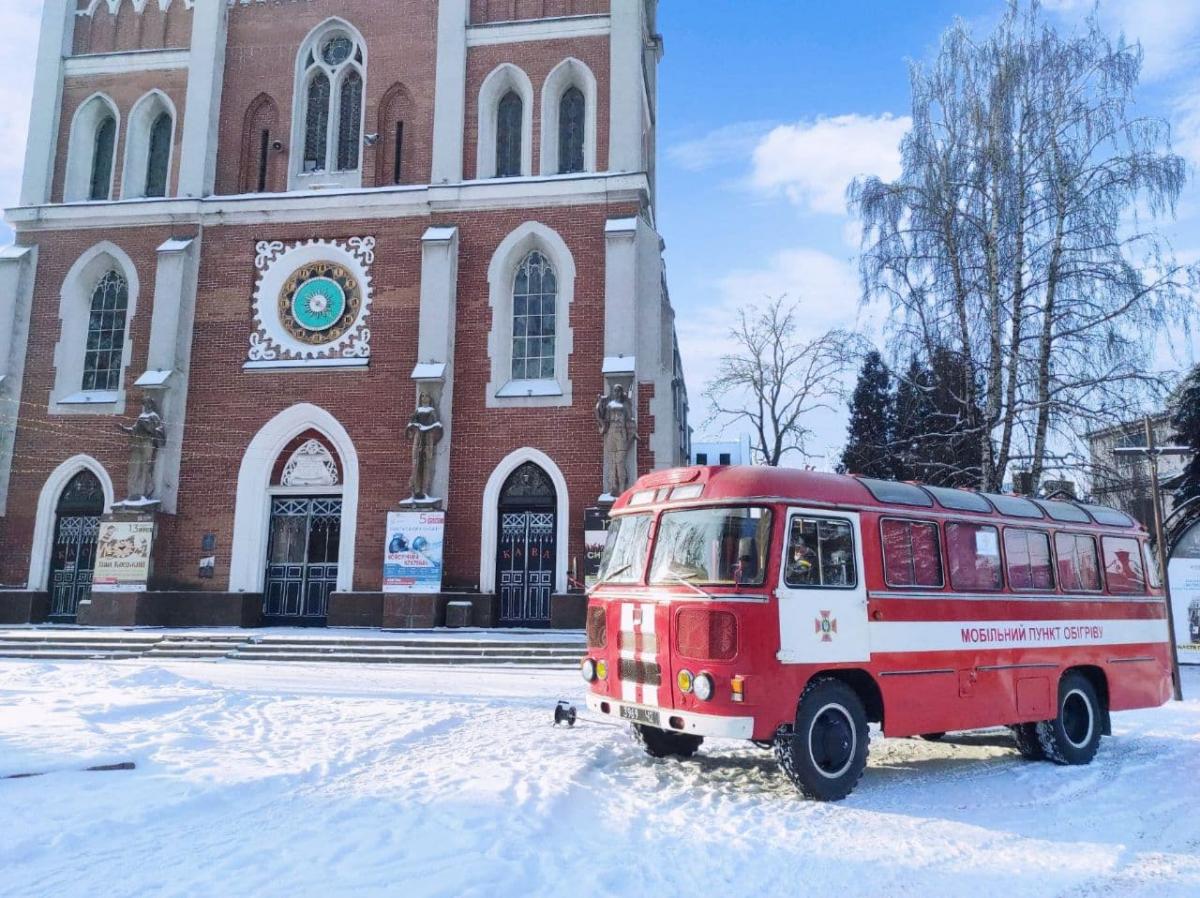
pixel 768 109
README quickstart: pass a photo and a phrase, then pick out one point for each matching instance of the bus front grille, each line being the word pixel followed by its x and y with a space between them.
pixel 645 672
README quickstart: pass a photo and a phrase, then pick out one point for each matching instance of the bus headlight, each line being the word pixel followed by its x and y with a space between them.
pixel 703 687
pixel 685 681
pixel 587 669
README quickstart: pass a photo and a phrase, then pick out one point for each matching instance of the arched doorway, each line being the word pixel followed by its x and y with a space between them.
pixel 304 534
pixel 526 547
pixel 73 555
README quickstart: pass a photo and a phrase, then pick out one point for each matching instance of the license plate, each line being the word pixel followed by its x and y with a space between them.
pixel 641 715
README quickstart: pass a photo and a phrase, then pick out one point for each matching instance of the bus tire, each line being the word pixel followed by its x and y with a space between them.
pixel 932 737
pixel 1073 736
pixel 824 753
pixel 1028 743
pixel 661 744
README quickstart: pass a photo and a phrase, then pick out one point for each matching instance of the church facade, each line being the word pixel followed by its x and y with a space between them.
pixel 286 268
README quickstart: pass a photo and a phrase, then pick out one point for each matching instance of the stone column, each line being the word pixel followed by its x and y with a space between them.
pixel 202 115
pixel 436 338
pixel 18 268
pixel 627 87
pixel 57 37
pixel 450 102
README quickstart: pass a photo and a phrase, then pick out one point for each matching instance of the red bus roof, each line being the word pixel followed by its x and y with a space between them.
pixel 721 484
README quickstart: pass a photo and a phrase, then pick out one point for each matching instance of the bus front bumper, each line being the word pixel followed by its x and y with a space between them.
pixel 669 720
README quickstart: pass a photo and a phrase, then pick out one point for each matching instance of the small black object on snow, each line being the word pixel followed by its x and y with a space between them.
pixel 100 768
pixel 565 713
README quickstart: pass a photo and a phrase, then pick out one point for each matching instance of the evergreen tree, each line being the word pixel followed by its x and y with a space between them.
pixel 872 422
pixel 1187 423
pixel 953 450
pixel 913 410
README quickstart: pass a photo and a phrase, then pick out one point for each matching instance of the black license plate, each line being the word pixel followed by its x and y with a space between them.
pixel 641 715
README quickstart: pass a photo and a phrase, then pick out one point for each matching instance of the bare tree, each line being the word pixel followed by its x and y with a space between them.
pixel 775 379
pixel 1015 235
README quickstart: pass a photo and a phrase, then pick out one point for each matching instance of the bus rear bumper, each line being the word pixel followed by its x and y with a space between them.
pixel 672 721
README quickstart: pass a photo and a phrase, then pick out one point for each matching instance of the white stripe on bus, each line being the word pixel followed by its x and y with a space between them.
pixel 949 636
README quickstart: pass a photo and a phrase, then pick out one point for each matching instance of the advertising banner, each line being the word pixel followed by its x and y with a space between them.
pixel 412 560
pixel 123 552
pixel 595 535
pixel 1184 571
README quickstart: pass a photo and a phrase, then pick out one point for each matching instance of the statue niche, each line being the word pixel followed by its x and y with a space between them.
pixel 147 436
pixel 614 415
pixel 425 429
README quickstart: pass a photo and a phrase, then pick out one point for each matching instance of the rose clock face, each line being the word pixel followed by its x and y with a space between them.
pixel 319 302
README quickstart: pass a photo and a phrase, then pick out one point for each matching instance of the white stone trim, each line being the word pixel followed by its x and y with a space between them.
pixel 490 519
pixel 43 528
pixel 126 62
pixel 450 93
pixel 81 151
pixel 329 178
pixel 501 274
pixel 137 143
pixel 42 145
pixel 74 308
pixel 18 275
pixel 504 78
pixel 252 511
pixel 202 106
pixel 363 204
pixel 626 87
pixel 560 28
pixel 569 73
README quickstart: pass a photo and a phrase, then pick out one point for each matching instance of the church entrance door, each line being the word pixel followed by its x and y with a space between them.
pixel 76 530
pixel 302 560
pixel 528 529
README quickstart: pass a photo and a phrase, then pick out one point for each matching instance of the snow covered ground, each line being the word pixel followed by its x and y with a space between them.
pixel 265 780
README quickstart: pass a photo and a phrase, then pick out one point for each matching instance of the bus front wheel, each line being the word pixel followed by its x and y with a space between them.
pixel 824 753
pixel 661 744
pixel 1073 736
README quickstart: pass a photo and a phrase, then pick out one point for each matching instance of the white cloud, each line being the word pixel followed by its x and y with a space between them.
pixel 1169 30
pixel 812 163
pixel 732 143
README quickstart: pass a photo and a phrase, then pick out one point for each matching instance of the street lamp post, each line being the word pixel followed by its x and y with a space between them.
pixel 1153 453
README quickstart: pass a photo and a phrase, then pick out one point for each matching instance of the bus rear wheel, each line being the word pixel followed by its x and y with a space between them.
pixel 824 753
pixel 1073 736
pixel 661 744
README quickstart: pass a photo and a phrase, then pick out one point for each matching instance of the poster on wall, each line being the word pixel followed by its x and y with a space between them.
pixel 412 560
pixel 1184 571
pixel 123 551
pixel 595 535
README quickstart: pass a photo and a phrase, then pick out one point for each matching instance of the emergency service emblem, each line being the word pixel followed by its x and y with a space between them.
pixel 825 626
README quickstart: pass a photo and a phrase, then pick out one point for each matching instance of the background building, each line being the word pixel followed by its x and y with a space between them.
pixel 729 452
pixel 286 222
pixel 1123 481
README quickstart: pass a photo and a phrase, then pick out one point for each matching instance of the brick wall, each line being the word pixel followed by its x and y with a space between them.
pixel 486 11
pixel 151 29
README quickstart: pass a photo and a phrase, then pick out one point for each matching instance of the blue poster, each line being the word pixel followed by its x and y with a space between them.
pixel 412 559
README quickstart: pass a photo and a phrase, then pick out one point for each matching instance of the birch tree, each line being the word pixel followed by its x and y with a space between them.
pixel 774 379
pixel 1021 235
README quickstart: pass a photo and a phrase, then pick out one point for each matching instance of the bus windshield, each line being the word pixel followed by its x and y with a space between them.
pixel 715 546
pixel 624 559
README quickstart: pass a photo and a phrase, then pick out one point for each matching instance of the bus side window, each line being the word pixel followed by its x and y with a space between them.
pixel 911 554
pixel 820 554
pixel 1030 564
pixel 1078 563
pixel 1123 566
pixel 974 554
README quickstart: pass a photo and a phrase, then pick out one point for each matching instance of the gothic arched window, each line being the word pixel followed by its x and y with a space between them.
pixel 572 117
pixel 102 159
pixel 159 158
pixel 534 328
pixel 106 334
pixel 333 104
pixel 510 115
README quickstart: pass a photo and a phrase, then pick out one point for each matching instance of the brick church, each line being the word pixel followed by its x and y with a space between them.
pixel 287 239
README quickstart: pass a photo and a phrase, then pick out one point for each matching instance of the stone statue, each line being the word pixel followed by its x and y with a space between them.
pixel 425 429
pixel 147 435
pixel 614 414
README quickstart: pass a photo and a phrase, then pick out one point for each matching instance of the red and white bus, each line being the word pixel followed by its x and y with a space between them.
pixel 791 608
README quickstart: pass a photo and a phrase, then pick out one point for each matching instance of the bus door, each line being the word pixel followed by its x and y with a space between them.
pixel 822 591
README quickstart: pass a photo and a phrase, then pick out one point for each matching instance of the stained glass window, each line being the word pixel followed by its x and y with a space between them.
pixel 102 159
pixel 350 121
pixel 571 116
pixel 316 126
pixel 510 117
pixel 106 334
pixel 337 50
pixel 535 297
pixel 159 156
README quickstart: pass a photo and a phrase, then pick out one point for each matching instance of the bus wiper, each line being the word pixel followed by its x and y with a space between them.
pixel 687 581
pixel 618 572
